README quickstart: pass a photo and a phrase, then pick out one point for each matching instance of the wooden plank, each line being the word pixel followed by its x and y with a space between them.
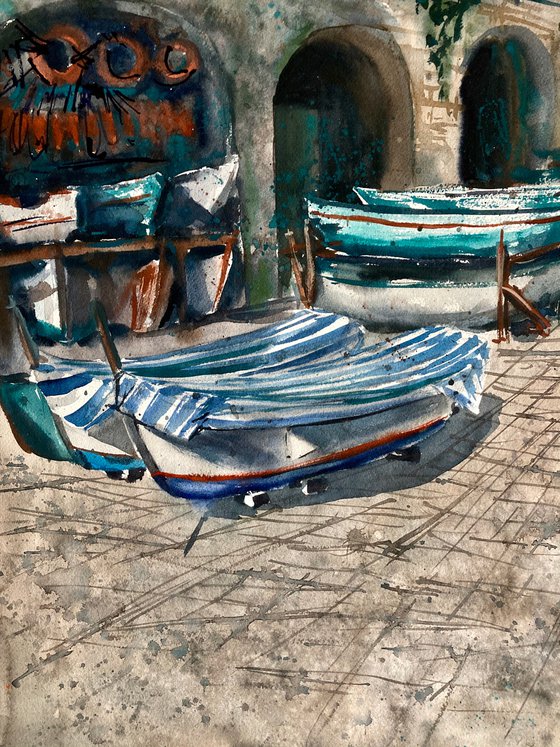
pixel 60 249
pixel 227 259
pixel 529 256
pixel 310 274
pixel 516 297
pixel 107 341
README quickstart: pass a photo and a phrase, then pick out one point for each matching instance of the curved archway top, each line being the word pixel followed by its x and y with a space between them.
pixel 343 117
pixel 540 68
pixel 384 54
pixel 508 97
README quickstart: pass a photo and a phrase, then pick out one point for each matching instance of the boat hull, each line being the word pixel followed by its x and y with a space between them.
pixel 456 199
pixel 216 464
pixel 403 304
pixel 360 231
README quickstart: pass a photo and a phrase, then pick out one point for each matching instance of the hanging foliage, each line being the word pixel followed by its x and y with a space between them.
pixel 446 17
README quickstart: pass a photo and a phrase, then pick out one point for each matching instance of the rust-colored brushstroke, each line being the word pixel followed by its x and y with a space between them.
pixel 64 127
pixel 78 41
pixel 335 456
pixel 180 120
pixel 38 133
pixel 165 73
pixel 109 127
pixel 23 445
pixel 18 131
pixel 127 124
pixel 161 120
pixel 515 296
pixel 141 300
pixel 431 226
pixel 150 289
pixel 6 115
pixel 139 67
pixel 12 201
pixel 225 267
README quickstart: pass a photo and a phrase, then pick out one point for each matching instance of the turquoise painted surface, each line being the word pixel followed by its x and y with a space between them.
pixel 367 274
pixel 459 200
pixel 351 230
pixel 32 421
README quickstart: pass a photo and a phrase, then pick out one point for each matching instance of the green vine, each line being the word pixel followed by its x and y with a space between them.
pixel 446 17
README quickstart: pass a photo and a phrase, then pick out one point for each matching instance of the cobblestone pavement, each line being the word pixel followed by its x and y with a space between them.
pixel 409 604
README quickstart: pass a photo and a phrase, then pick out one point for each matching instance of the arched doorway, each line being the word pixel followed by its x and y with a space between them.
pixel 506 94
pixel 342 117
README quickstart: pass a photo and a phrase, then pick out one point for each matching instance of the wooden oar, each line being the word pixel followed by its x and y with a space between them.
pixel 27 342
pixel 109 347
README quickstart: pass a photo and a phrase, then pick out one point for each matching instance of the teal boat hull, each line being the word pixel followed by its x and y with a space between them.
pixel 462 200
pixel 359 231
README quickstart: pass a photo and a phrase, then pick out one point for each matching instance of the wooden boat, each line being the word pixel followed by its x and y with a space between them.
pixel 452 293
pixel 74 398
pixel 38 286
pixel 39 431
pixel 54 219
pixel 258 432
pixel 259 411
pixel 418 267
pixel 361 231
pixel 217 463
pixel 126 209
pixel 464 200
pixel 197 196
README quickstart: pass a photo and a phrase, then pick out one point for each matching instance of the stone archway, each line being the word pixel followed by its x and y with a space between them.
pixel 508 104
pixel 343 116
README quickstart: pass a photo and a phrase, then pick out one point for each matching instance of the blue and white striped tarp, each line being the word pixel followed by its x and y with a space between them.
pixel 363 380
pixel 168 408
pixel 305 338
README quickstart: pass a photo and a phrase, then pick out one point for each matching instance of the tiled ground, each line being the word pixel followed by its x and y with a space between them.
pixel 409 604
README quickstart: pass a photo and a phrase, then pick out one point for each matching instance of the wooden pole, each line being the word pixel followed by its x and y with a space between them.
pixel 12 354
pixel 310 273
pixel 109 347
pixel 297 269
pixel 500 271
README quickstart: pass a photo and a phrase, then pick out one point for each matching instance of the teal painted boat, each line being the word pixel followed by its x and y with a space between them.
pixel 528 198
pixel 465 297
pixel 126 209
pixel 368 231
pixel 402 263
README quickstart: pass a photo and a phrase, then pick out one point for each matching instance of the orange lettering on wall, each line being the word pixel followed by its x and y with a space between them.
pixel 18 131
pixel 109 127
pixel 38 133
pixel 64 128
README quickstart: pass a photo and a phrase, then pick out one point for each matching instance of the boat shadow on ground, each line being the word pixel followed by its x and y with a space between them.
pixel 438 454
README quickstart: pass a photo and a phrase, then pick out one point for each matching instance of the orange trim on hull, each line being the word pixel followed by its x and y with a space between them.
pixel 421 226
pixel 343 454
